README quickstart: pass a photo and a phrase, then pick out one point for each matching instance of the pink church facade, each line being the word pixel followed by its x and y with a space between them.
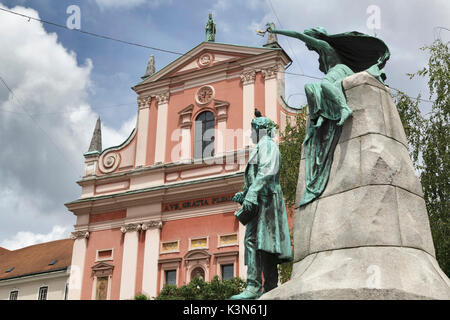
pixel 157 209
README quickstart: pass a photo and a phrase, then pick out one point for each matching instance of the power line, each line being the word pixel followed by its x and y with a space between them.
pixel 169 51
pixel 91 33
pixel 289 44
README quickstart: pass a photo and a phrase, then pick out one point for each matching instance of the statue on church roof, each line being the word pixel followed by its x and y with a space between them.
pixel 150 67
pixel 210 29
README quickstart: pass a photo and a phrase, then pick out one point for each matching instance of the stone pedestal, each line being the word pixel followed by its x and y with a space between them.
pixel 368 235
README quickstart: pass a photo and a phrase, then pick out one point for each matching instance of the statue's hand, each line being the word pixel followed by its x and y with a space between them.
pixel 248 206
pixel 238 197
pixel 269 27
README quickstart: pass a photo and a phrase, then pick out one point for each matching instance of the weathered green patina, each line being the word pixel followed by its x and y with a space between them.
pixel 210 29
pixel 340 55
pixel 267 240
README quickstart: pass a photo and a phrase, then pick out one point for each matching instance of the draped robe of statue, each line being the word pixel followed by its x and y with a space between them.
pixel 340 55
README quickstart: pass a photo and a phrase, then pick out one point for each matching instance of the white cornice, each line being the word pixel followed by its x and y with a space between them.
pixel 36 277
pixel 256 62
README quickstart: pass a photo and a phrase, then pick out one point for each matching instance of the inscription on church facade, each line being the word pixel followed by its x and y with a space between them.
pixel 201 202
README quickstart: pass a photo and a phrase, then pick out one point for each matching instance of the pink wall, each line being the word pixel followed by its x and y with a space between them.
pixel 105 239
pixel 207 226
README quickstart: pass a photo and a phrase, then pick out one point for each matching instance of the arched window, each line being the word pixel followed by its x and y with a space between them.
pixel 198 271
pixel 204 135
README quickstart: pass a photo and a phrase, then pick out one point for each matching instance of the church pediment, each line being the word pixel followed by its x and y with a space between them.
pixel 102 269
pixel 205 55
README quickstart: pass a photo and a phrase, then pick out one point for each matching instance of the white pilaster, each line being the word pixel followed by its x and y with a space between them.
pixel 77 266
pixel 161 129
pixel 242 266
pixel 248 104
pixel 129 261
pixel 151 253
pixel 142 130
pixel 270 92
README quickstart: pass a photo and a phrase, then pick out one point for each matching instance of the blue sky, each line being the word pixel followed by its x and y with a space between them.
pixel 67 79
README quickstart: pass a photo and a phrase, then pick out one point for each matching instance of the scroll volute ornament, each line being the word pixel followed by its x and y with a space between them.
pixel 109 162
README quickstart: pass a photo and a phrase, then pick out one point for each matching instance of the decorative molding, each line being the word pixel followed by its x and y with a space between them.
pixel 109 162
pixel 130 227
pixel 248 77
pixel 221 109
pixel 102 269
pixel 269 73
pixel 163 98
pixel 185 120
pixel 79 235
pixel 204 95
pixel 144 102
pixel 152 225
pixel 205 60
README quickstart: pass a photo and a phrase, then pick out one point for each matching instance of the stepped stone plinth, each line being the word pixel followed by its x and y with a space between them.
pixel 368 235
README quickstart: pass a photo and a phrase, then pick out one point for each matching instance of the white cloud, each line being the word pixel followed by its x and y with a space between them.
pixel 25 238
pixel 42 158
pixel 115 4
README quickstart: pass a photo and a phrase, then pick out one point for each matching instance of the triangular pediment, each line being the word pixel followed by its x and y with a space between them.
pixel 102 266
pixel 205 55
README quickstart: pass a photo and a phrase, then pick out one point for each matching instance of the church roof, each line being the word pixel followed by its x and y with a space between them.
pixel 35 259
pixel 230 52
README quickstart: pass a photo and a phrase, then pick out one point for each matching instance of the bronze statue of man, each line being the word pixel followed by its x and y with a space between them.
pixel 210 29
pixel 267 240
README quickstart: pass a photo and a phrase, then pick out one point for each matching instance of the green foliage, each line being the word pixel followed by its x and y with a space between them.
pixel 140 297
pixel 198 289
pixel 428 139
pixel 291 143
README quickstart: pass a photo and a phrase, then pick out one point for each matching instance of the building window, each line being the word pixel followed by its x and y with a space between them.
pixel 43 293
pixel 13 295
pixel 198 271
pixel 204 135
pixel 171 277
pixel 227 271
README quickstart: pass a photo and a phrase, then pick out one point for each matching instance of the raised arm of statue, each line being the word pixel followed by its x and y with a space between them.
pixel 311 43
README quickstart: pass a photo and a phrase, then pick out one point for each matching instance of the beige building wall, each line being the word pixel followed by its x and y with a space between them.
pixel 28 287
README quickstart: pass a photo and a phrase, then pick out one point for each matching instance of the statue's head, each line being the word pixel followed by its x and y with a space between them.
pixel 210 15
pixel 261 126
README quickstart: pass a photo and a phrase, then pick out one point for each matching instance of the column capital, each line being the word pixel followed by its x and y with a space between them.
pixel 152 225
pixel 270 72
pixel 248 77
pixel 144 102
pixel 163 97
pixel 130 227
pixel 79 235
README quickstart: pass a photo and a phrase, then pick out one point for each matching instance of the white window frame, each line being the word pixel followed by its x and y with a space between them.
pixel 97 259
pixel 227 264
pixel 14 290
pixel 227 258
pixel 46 293
pixel 170 251
pixel 199 248
pixel 227 245
pixel 169 265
